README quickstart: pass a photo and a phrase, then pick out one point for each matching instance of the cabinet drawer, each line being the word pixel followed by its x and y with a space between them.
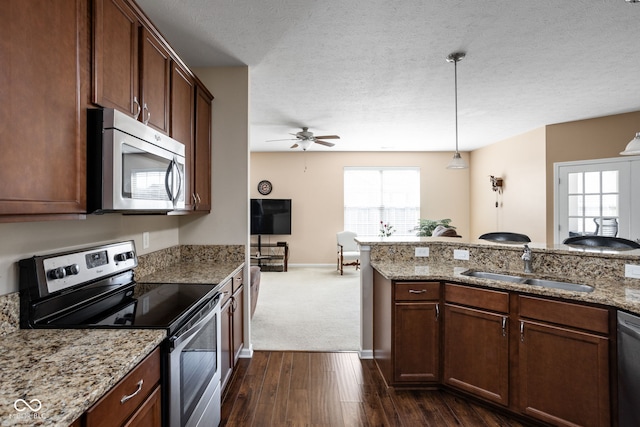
pixel 486 299
pixel 565 313
pixel 237 280
pixel 417 291
pixel 110 410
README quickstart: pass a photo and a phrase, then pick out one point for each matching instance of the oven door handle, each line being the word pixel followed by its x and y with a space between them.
pixel 206 314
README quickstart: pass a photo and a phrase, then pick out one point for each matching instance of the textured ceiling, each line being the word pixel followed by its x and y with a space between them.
pixel 374 71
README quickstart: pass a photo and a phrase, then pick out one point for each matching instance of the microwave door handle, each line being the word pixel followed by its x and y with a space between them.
pixel 180 179
pixel 168 178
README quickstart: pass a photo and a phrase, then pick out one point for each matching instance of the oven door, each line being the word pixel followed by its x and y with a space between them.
pixel 193 370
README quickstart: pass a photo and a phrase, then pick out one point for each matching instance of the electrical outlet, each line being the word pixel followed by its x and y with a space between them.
pixel 422 252
pixel 462 254
pixel 145 240
pixel 632 271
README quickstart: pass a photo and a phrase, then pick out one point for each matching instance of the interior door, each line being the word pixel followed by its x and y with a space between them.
pixel 595 197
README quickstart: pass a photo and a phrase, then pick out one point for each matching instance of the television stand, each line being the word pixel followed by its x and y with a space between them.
pixel 270 256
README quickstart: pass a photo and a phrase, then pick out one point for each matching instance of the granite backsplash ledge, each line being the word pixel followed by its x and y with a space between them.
pixel 164 258
pixel 580 265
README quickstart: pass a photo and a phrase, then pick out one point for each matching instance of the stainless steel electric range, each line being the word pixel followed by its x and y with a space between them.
pixel 94 287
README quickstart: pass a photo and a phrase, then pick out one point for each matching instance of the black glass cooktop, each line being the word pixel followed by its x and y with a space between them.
pixel 153 306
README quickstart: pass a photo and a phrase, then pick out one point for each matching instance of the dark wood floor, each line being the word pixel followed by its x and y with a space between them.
pixel 337 389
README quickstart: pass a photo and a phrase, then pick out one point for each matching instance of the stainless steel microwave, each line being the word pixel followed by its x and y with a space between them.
pixel 132 168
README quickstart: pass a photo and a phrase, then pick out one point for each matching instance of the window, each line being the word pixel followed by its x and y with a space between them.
pixel 391 195
pixel 596 197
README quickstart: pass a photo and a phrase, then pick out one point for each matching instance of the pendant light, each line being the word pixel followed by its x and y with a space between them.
pixel 633 147
pixel 457 162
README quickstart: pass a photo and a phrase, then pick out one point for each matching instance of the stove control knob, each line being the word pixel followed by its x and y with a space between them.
pixel 121 257
pixel 72 269
pixel 57 273
pixel 130 255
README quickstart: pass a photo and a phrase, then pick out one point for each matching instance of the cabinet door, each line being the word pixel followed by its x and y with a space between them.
pixel 476 352
pixel 226 322
pixel 154 90
pixel 416 347
pixel 564 375
pixel 182 122
pixel 115 56
pixel 44 46
pixel 182 106
pixel 149 414
pixel 202 156
pixel 237 327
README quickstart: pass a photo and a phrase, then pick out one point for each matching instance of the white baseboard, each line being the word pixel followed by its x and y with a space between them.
pixel 313 265
pixel 365 354
pixel 247 353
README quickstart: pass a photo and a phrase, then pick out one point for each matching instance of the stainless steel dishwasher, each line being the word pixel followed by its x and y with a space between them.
pixel 628 370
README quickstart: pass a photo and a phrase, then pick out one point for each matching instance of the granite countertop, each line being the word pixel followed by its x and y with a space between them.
pixel 623 295
pixel 66 370
pixel 193 272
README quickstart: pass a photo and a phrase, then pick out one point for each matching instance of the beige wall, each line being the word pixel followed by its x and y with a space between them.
pixel 314 182
pixel 520 161
pixel 227 223
pixel 526 163
pixel 598 138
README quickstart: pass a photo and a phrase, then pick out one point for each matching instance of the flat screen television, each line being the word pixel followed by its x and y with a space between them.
pixel 270 216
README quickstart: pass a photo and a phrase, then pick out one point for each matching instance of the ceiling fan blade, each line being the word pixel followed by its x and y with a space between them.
pixel 328 137
pixel 294 146
pixel 328 144
pixel 274 140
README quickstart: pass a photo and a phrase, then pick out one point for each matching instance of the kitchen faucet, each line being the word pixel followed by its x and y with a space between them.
pixel 527 257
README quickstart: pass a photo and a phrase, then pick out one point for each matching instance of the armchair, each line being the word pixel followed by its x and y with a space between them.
pixel 348 252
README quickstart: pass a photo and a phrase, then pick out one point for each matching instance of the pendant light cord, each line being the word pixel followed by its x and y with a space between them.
pixel 455 85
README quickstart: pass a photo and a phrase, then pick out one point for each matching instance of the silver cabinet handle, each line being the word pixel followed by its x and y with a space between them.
pixel 504 326
pixel 437 311
pixel 125 398
pixel 137 104
pixel 146 121
pixel 521 331
pixel 414 291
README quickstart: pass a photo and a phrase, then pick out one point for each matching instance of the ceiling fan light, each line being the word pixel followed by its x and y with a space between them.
pixel 457 162
pixel 305 143
pixel 633 147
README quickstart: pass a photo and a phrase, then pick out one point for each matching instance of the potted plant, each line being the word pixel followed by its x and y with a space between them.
pixel 426 226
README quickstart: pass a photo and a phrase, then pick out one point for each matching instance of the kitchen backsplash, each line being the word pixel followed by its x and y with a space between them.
pixel 565 263
pixel 159 260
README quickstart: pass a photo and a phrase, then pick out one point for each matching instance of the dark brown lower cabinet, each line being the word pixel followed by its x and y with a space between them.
pixel 476 353
pixel 143 408
pixel 232 325
pixel 476 342
pixel 407 331
pixel 564 372
pixel 542 358
pixel 417 342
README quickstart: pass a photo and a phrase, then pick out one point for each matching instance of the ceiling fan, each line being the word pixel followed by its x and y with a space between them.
pixel 304 139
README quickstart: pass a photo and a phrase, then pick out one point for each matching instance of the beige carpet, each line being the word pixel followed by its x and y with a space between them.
pixel 308 309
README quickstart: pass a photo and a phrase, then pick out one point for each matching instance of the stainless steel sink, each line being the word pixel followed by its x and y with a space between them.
pixel 573 287
pixel 567 286
pixel 492 276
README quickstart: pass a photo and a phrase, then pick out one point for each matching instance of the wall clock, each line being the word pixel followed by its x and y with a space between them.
pixel 264 187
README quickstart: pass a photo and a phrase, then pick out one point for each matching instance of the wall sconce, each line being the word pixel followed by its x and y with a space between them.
pixel 496 183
